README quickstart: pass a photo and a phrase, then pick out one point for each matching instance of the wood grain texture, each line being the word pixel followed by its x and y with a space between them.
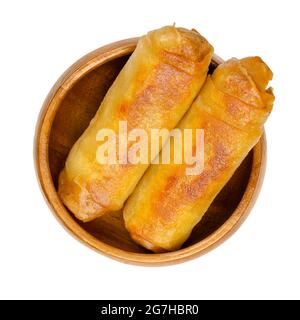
pixel 66 112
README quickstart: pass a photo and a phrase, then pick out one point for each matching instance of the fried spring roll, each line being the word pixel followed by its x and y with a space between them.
pixel 153 90
pixel 231 108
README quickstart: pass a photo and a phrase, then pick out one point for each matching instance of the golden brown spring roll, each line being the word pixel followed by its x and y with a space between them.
pixel 231 108
pixel 153 90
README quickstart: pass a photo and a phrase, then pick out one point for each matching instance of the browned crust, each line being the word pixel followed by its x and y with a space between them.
pixel 147 244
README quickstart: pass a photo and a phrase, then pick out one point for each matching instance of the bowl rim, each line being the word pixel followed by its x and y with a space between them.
pixel 46 116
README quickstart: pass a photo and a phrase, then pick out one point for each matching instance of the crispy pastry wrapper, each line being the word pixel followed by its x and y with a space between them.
pixel 154 90
pixel 232 108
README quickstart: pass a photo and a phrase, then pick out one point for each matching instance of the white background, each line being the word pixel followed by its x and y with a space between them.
pixel 38 259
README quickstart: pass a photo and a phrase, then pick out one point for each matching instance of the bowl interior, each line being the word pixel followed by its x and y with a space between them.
pixel 74 114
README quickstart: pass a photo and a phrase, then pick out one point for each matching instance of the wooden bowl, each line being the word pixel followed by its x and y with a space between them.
pixel 66 113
